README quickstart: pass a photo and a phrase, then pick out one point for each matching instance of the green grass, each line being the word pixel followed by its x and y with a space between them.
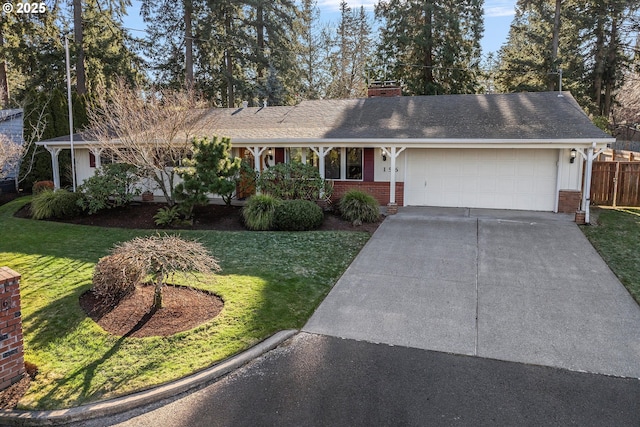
pixel 270 281
pixel 616 236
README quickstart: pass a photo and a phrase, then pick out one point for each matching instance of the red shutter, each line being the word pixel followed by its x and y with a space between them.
pixel 279 155
pixel 368 166
pixel 92 160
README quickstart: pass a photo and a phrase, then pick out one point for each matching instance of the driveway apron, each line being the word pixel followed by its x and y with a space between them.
pixel 508 285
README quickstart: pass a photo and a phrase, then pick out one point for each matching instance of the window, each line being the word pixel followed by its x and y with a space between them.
pixel 332 164
pixel 354 163
pixel 302 155
pixel 339 163
pixel 295 155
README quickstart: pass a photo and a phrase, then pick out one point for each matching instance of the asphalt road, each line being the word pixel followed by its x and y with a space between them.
pixel 316 380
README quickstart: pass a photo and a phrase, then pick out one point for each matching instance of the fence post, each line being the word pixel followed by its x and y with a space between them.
pixel 615 184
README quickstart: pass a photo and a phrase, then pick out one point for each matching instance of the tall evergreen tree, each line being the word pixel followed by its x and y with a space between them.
pixel 586 39
pixel 171 40
pixel 221 42
pixel 312 68
pixel 350 55
pixel 432 46
pixel 274 44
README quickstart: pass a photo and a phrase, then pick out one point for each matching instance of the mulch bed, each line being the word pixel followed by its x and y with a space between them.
pixel 183 309
pixel 210 217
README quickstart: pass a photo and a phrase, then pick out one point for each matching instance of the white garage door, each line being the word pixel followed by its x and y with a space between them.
pixel 482 178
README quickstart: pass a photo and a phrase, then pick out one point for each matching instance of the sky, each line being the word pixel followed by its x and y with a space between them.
pixel 498 15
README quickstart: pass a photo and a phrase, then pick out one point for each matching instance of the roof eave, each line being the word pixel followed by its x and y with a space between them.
pixel 386 142
pixel 428 142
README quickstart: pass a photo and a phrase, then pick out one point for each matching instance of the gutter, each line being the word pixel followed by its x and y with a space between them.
pixel 386 142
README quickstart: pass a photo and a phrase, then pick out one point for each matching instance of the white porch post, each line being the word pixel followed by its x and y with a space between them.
pixel 55 165
pixel 586 184
pixel 393 153
pixel 321 152
pixel 97 152
pixel 256 152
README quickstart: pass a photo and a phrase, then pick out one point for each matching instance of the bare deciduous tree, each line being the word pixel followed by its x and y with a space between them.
pixel 10 155
pixel 150 129
pixel 628 108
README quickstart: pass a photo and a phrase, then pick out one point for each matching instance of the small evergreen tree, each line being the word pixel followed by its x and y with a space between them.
pixel 210 171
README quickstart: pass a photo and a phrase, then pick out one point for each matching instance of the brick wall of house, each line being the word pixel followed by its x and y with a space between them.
pixel 11 347
pixel 569 201
pixel 379 190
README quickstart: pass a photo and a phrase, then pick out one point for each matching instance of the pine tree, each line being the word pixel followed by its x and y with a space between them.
pixel 170 40
pixel 432 46
pixel 591 38
pixel 312 58
pixel 350 55
pixel 274 45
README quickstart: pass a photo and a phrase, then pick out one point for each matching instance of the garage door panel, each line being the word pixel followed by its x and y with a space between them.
pixel 482 178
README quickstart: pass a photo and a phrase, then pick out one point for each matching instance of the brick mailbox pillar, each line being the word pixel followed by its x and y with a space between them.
pixel 11 349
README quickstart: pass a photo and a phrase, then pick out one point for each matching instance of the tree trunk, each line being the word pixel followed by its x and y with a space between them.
pixel 4 83
pixel 260 53
pixel 157 293
pixel 229 64
pixel 555 42
pixel 188 42
pixel 81 80
pixel 428 88
pixel 599 61
pixel 611 66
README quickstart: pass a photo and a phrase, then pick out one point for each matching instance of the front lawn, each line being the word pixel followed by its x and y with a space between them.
pixel 616 236
pixel 270 281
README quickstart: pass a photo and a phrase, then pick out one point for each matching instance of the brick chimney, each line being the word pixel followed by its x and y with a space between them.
pixel 387 88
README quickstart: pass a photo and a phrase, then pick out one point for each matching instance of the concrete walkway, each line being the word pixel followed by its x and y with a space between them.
pixel 516 286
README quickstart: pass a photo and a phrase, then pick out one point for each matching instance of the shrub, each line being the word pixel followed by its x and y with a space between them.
pixel 115 277
pixel 210 170
pixel 167 216
pixel 357 207
pixel 297 215
pixel 40 186
pixel 54 204
pixel 291 181
pixel 112 185
pixel 162 256
pixel 258 212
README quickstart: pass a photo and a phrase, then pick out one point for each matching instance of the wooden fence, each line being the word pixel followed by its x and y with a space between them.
pixel 615 183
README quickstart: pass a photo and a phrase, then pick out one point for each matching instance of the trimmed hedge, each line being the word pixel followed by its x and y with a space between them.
pixel 297 215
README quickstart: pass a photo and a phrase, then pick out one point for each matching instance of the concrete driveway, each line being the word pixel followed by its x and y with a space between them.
pixel 508 285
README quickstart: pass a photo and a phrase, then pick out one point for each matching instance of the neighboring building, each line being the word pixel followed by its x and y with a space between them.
pixel 502 151
pixel 11 125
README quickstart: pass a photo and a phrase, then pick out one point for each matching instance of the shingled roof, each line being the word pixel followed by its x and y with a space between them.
pixel 519 116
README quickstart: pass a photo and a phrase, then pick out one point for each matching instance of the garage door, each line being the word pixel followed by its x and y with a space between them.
pixel 482 178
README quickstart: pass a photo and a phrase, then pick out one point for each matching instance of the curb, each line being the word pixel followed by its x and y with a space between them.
pixel 126 403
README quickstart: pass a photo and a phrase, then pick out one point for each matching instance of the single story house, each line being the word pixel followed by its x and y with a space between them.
pixel 11 126
pixel 502 151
